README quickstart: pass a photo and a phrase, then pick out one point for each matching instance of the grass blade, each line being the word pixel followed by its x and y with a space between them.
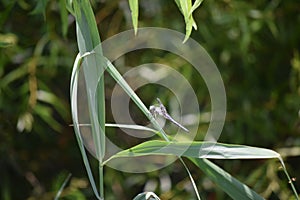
pixel 130 126
pixel 134 7
pixel 196 4
pixel 74 106
pixel 62 186
pixel 185 6
pixel 234 188
pixel 209 150
pixel 88 39
pixel 191 178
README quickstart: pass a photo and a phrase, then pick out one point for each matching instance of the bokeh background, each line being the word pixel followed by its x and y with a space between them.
pixel 255 44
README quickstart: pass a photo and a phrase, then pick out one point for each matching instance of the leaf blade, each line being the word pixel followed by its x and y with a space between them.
pixel 233 187
pixel 134 8
pixel 209 150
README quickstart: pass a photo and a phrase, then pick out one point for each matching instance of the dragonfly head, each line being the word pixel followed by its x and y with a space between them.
pixel 153 111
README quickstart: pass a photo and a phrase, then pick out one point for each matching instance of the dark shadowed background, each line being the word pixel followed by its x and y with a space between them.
pixel 255 44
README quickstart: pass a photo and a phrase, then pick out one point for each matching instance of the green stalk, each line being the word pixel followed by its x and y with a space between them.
pixel 101 177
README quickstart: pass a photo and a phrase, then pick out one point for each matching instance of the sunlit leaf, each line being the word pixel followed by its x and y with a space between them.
pixel 185 6
pixel 234 188
pixel 88 39
pixel 196 4
pixel 197 149
pixel 134 7
pixel 74 106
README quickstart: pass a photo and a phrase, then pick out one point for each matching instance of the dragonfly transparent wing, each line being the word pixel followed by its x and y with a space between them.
pixel 168 117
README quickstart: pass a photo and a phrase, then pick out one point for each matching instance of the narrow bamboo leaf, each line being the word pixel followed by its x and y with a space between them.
pixel 189 24
pixel 130 126
pixel 289 178
pixel 208 150
pixel 134 7
pixel 188 18
pixel 199 151
pixel 63 16
pixel 74 106
pixel 69 6
pixel 62 186
pixel 234 188
pixel 185 6
pixel 196 4
pixel 191 178
pixel 125 126
pixel 87 24
pixel 146 196
pixel 88 39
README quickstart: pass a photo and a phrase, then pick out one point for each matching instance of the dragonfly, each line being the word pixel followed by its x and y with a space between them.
pixel 162 111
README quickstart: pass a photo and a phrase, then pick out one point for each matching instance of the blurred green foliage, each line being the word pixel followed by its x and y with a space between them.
pixel 255 44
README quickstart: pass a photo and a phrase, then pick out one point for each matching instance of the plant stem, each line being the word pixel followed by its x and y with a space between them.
pixel 101 180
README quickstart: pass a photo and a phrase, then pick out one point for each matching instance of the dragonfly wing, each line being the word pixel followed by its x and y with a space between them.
pixel 162 111
pixel 167 116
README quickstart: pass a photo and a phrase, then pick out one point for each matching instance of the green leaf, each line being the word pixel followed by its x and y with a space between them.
pixel 185 6
pixel 40 8
pixel 197 149
pixel 89 43
pixel 131 126
pixel 88 39
pixel 62 187
pixel 134 7
pixel 198 152
pixel 64 16
pixel 234 188
pixel 69 6
pixel 74 106
pixel 196 4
